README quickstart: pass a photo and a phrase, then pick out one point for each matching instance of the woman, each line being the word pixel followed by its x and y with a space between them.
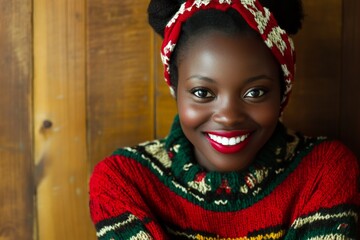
pixel 229 169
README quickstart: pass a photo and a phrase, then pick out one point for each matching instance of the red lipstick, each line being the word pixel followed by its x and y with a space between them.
pixel 228 142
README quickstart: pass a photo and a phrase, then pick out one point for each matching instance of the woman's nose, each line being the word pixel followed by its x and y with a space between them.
pixel 230 112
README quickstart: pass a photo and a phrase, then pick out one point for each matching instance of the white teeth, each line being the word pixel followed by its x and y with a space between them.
pixel 228 141
pixel 232 141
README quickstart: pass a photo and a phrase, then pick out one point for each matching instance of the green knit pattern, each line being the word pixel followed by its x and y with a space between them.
pixel 172 161
pixel 126 226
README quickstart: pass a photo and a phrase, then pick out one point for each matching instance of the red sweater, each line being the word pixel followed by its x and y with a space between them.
pixel 297 188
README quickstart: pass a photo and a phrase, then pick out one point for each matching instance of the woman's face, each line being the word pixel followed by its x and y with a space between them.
pixel 228 99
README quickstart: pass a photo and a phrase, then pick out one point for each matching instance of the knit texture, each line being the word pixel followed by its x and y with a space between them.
pixel 296 188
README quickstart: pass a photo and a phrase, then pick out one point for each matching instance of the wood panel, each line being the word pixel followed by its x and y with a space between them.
pixel 315 102
pixel 16 163
pixel 120 82
pixel 350 84
pixel 62 167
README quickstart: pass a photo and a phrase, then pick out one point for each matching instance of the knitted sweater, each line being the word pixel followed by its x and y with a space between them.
pixel 296 188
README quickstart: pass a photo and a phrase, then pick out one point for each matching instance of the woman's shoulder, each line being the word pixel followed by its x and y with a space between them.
pixel 330 163
pixel 329 176
pixel 318 150
pixel 321 159
pixel 133 159
pixel 333 152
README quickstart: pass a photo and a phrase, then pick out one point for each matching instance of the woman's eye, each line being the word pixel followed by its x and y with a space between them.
pixel 255 93
pixel 202 93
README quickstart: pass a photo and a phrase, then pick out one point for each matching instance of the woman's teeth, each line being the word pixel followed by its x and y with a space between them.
pixel 228 141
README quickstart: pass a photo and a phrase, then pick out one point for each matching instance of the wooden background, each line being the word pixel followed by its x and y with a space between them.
pixel 80 78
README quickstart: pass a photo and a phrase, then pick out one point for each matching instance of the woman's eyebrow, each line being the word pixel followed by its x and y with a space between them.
pixel 259 77
pixel 199 77
pixel 251 79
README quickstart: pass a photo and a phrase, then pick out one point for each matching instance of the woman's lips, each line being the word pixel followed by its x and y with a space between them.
pixel 228 142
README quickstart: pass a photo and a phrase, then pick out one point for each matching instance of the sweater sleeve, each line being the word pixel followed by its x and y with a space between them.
pixel 116 206
pixel 331 202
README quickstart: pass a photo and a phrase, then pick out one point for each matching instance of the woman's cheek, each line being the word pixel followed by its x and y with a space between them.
pixel 266 116
pixel 192 115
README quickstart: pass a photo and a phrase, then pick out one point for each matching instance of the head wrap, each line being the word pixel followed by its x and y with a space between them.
pixel 257 17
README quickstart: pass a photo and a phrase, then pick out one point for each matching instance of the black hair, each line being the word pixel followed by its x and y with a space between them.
pixel 288 13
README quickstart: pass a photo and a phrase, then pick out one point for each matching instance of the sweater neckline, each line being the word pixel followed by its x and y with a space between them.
pixel 172 161
pixel 222 185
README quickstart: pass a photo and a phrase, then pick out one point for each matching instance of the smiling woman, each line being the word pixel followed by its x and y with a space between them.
pixel 242 99
pixel 229 168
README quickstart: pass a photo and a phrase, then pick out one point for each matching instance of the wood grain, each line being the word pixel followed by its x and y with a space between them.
pixel 350 84
pixel 16 163
pixel 62 166
pixel 315 101
pixel 120 83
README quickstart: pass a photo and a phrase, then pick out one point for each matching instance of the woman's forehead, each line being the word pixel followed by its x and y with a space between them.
pixel 222 50
pixel 228 60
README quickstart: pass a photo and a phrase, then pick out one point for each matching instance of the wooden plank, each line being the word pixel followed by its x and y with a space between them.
pixel 164 102
pixel 315 102
pixel 350 110
pixel 16 163
pixel 62 168
pixel 120 76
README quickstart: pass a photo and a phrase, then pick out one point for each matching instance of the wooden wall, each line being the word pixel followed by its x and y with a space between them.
pixel 80 78
pixel 324 99
pixel 315 102
pixel 350 78
pixel 60 130
pixel 17 213
pixel 120 82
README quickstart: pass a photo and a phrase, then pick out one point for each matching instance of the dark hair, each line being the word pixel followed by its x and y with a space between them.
pixel 288 13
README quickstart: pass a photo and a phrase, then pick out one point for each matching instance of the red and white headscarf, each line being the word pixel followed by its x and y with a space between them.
pixel 258 18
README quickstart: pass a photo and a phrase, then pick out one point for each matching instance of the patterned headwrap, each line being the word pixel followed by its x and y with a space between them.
pixel 257 17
